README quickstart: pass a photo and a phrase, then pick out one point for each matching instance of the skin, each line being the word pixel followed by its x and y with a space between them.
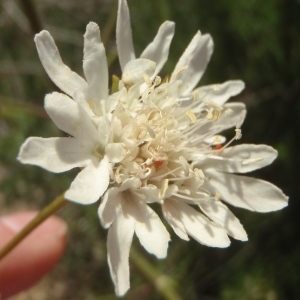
pixel 35 256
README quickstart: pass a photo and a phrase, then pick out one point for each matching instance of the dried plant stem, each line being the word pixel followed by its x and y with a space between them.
pixel 32 15
pixel 49 210
pixel 10 109
pixel 163 284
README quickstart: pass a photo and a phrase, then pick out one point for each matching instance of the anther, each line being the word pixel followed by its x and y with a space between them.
pixel 192 116
pixel 182 69
pixel 164 188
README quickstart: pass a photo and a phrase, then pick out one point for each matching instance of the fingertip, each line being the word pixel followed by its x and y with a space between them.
pixel 33 257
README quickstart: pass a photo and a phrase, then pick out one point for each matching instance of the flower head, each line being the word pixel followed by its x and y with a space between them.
pixel 152 143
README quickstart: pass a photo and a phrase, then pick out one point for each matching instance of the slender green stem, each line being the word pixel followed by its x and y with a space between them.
pixel 49 210
pixel 110 24
pixel 162 283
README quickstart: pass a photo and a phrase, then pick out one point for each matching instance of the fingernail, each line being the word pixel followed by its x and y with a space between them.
pixel 16 222
pixel 11 224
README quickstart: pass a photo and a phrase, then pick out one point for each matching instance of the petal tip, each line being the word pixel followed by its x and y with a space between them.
pixel 41 34
pixel 93 27
pixel 170 24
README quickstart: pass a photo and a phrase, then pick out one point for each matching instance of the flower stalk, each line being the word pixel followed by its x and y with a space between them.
pixel 48 211
pixel 162 283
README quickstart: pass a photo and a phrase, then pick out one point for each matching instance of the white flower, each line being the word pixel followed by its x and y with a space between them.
pixel 152 143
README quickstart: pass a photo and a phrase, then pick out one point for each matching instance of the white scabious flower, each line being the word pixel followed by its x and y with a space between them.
pixel 152 143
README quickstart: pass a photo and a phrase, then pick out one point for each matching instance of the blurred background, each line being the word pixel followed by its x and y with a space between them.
pixel 256 41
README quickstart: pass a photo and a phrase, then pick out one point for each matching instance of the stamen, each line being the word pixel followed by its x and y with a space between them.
pixel 191 115
pixel 238 131
pixel 184 164
pixel 210 114
pixel 191 129
pixel 199 174
pixel 217 196
pixel 180 178
pixel 228 111
pixel 164 188
pixel 148 162
pixel 196 95
pixel 217 139
pixel 147 79
pixel 182 69
pixel 157 81
pixel 213 104
pixel 187 98
pixel 216 88
pixel 150 130
pixel 158 178
pixel 194 200
pixel 214 112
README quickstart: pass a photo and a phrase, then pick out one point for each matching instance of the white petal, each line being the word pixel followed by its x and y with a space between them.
pixel 149 229
pixel 200 228
pixel 241 158
pixel 81 99
pixel 115 152
pixel 109 206
pixel 70 117
pixel 90 184
pixel 221 215
pixel 113 100
pixel 246 192
pixel 104 127
pixel 124 35
pixel 131 183
pixel 54 154
pixel 158 50
pixel 95 64
pixel 133 95
pixel 151 193
pixel 135 70
pixel 61 75
pixel 196 57
pixel 220 93
pixel 171 215
pixel 119 241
